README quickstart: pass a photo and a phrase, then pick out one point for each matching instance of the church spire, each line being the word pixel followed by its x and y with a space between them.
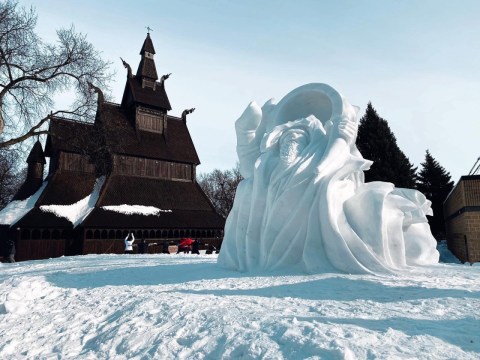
pixel 34 179
pixel 144 88
pixel 36 155
pixel 147 46
pixel 146 69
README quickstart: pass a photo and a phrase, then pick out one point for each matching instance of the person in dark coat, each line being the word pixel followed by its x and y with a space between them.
pixel 143 246
pixel 11 250
pixel 195 247
pixel 210 249
pixel 165 248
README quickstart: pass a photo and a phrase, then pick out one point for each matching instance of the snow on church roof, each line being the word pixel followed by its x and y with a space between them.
pixel 77 212
pixel 135 209
pixel 17 209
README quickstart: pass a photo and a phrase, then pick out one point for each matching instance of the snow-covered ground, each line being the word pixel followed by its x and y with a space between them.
pixel 187 307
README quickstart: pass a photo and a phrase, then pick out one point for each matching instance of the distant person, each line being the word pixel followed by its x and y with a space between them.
pixel 195 247
pixel 143 246
pixel 185 245
pixel 11 250
pixel 210 249
pixel 165 248
pixel 129 243
pixel 183 248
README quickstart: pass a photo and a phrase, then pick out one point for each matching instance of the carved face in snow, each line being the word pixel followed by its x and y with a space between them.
pixel 292 142
pixel 296 141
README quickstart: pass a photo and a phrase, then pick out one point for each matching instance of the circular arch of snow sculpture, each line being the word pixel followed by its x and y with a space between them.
pixel 320 100
pixel 304 203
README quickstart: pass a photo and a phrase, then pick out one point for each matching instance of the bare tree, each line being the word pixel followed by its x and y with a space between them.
pixel 220 187
pixel 11 177
pixel 33 73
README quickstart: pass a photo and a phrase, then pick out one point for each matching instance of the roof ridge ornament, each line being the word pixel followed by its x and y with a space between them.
pixel 96 89
pixel 127 66
pixel 163 78
pixel 186 112
pixel 148 29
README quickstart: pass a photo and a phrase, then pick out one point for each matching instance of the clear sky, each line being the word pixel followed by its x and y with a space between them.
pixel 418 62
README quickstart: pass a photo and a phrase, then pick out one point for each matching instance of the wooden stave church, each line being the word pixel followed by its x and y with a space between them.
pixel 146 156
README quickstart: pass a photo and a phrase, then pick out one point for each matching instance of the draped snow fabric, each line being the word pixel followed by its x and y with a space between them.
pixel 304 203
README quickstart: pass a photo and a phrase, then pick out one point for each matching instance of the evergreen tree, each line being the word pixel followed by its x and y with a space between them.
pixel 377 142
pixel 435 183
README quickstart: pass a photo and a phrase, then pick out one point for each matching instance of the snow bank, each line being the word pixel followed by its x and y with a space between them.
pixel 18 209
pixel 157 306
pixel 76 213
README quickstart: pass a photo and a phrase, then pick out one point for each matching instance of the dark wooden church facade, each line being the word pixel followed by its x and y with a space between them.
pixel 139 154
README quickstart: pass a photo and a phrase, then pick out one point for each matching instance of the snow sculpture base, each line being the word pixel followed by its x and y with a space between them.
pixel 304 201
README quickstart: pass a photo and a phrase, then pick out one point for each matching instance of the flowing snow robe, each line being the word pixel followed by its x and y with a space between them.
pixel 304 202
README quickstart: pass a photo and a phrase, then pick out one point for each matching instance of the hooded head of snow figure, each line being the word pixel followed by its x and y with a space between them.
pixel 291 144
pixel 303 202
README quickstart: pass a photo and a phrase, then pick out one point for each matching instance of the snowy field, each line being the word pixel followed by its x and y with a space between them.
pixel 186 307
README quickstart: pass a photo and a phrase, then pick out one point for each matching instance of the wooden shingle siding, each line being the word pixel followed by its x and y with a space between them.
pixel 134 166
pixel 75 162
pixel 150 121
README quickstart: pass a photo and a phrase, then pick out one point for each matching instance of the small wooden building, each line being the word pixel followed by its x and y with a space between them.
pixel 462 219
pixel 134 153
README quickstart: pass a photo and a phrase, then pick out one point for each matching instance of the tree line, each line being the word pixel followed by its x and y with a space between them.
pixel 376 142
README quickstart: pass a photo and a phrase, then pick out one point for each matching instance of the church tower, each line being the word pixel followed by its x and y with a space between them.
pixel 36 162
pixel 144 96
pixel 146 69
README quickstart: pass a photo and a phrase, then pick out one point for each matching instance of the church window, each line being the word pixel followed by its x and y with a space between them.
pixel 150 120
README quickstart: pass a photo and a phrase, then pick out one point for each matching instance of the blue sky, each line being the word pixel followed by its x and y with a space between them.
pixel 416 61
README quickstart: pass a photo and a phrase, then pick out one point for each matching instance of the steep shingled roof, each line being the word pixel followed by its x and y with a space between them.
pixel 36 154
pixel 74 187
pixel 163 194
pixel 147 46
pixel 121 137
pixel 28 188
pixel 69 135
pixel 188 204
pixel 147 69
pixel 37 218
pixel 146 95
pixel 176 219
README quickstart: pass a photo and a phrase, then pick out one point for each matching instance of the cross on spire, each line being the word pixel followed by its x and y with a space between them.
pixel 148 29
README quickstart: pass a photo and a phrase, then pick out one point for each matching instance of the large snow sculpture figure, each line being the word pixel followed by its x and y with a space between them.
pixel 304 201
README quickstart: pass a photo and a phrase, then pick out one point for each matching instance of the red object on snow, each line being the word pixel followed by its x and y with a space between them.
pixel 186 242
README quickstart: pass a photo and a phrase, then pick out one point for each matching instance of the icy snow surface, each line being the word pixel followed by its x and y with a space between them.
pixel 135 209
pixel 187 307
pixel 17 209
pixel 303 201
pixel 76 213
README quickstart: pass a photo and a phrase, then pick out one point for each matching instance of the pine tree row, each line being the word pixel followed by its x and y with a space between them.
pixel 377 142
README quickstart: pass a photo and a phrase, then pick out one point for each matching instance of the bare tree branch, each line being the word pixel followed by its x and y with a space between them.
pixel 220 187
pixel 33 73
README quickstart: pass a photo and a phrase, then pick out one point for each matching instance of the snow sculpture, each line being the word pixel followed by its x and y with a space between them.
pixel 304 202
